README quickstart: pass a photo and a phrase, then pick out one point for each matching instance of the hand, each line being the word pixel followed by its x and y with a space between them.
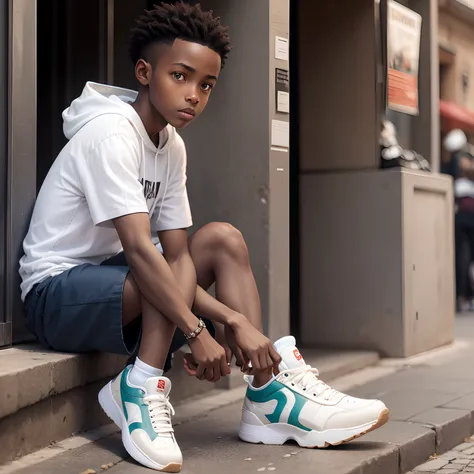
pixel 222 340
pixel 209 356
pixel 247 342
pixel 233 350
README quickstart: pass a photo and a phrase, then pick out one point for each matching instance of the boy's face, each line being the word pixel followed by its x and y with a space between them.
pixel 180 80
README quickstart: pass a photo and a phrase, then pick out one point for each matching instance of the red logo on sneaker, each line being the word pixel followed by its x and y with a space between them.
pixel 297 354
pixel 161 385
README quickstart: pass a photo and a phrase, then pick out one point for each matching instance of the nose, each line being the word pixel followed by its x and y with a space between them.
pixel 193 97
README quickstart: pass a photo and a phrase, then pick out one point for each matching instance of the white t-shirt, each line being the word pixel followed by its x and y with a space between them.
pixel 109 168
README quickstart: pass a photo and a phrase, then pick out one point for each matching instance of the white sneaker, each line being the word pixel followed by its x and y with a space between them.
pixel 144 415
pixel 297 405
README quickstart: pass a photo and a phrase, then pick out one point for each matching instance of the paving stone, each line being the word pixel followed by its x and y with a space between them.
pixel 463 446
pixel 433 465
pixel 457 466
pixel 452 426
pixel 469 451
pixel 450 455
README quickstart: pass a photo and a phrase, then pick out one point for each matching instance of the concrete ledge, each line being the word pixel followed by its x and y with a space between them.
pixel 49 420
pixel 47 396
pixel 452 426
pixel 29 374
pixel 415 443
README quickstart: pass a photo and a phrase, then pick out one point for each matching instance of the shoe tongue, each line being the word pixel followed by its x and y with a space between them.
pixel 160 385
pixel 289 353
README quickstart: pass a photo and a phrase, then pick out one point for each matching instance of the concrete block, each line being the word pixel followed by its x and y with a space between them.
pixel 451 426
pixel 29 374
pixel 416 443
pixel 49 420
pixel 8 394
pixel 466 403
pixel 433 465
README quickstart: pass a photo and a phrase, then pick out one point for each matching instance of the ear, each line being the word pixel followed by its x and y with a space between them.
pixel 143 72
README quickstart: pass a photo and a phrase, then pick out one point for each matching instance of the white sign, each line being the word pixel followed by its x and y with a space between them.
pixel 283 102
pixel 280 133
pixel 403 43
pixel 281 48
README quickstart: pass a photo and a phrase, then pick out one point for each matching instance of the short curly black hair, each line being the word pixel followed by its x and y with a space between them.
pixel 167 22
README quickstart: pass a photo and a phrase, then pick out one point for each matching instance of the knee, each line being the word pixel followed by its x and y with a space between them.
pixel 225 239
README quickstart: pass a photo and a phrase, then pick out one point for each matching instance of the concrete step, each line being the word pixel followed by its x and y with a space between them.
pixel 46 397
pixel 432 403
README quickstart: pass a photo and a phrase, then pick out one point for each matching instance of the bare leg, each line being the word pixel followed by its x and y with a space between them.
pixel 157 331
pixel 220 255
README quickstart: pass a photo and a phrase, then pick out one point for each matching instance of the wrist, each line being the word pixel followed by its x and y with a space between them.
pixel 191 326
pixel 201 335
pixel 234 320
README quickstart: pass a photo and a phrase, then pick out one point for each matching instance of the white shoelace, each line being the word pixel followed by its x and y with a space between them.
pixel 307 377
pixel 160 410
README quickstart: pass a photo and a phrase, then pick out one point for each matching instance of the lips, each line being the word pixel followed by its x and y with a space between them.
pixel 188 111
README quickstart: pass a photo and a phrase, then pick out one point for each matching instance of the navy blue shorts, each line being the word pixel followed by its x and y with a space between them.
pixel 80 310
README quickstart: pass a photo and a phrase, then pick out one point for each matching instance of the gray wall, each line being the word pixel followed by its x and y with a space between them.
pixel 4 328
pixel 337 85
pixel 229 177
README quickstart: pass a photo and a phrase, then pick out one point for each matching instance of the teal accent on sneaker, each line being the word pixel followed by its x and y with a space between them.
pixel 135 396
pixel 274 392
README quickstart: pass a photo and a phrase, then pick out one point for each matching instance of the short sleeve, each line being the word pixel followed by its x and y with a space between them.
pixel 109 177
pixel 174 211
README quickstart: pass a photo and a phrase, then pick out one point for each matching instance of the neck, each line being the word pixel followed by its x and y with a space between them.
pixel 152 120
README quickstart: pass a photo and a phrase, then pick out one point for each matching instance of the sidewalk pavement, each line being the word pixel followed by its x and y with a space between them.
pixel 458 460
pixel 431 398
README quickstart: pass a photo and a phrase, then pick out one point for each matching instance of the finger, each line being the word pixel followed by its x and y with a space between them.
pixel 255 362
pixel 200 372
pixel 209 373
pixel 190 362
pixel 276 360
pixel 223 368
pixel 262 358
pixel 239 358
pixel 275 356
pixel 269 362
pixel 246 366
pixel 217 370
pixel 191 372
pixel 228 355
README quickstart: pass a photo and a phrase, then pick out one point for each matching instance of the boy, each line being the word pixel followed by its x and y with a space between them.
pixel 92 279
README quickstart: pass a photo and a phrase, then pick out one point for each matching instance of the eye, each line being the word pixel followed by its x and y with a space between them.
pixel 206 87
pixel 179 76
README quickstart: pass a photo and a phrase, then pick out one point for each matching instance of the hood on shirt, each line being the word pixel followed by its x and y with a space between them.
pixel 99 99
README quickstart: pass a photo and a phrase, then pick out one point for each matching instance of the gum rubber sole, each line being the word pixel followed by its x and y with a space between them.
pixel 383 418
pixel 252 431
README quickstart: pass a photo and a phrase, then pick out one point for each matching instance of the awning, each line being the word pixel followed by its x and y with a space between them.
pixel 456 116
